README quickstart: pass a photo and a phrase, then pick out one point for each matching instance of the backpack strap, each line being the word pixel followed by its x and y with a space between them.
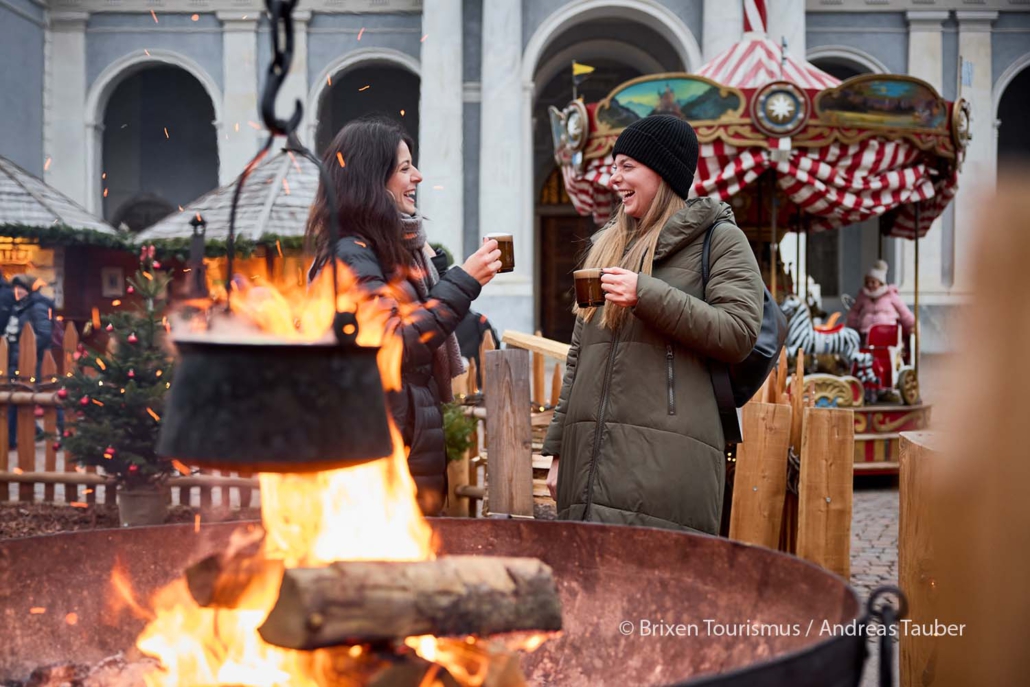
pixel 719 371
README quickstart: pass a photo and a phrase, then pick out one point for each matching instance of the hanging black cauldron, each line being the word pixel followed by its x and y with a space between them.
pixel 277 407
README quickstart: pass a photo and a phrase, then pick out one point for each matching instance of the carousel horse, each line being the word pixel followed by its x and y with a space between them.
pixel 841 341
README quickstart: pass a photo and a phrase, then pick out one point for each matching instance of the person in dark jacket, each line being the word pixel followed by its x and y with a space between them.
pixel 636 437
pixel 384 246
pixel 473 327
pixel 29 308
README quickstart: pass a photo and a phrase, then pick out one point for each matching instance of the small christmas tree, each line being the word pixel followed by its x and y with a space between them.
pixel 117 398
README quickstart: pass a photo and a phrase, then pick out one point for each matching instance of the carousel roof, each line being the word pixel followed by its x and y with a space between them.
pixel 755 61
pixel 27 201
pixel 274 202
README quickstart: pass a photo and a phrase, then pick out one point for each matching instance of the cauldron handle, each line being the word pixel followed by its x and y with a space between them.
pixel 280 13
pixel 885 614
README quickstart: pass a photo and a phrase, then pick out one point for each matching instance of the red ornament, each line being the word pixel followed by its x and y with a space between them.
pixel 133 469
pixel 132 338
pixel 67 433
pixel 109 451
pixel 109 327
pixel 62 393
pixel 76 355
pixel 130 290
pixel 56 446
pixel 39 411
pixel 157 265
pixel 84 401
pixel 132 374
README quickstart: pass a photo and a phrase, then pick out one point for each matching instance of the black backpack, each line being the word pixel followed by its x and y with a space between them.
pixel 734 385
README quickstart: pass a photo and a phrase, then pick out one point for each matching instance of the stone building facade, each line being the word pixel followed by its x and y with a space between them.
pixel 133 107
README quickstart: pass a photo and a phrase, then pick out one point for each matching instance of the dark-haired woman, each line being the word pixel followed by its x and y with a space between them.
pixel 384 245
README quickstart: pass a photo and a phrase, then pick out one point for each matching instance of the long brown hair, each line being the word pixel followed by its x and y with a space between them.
pixel 360 160
pixel 629 243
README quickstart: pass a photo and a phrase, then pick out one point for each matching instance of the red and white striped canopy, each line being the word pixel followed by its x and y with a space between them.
pixel 756 60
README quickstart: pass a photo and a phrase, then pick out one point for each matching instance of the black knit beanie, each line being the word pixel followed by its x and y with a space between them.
pixel 666 144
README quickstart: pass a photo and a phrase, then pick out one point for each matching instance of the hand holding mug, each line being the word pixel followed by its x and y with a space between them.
pixel 620 286
pixel 484 263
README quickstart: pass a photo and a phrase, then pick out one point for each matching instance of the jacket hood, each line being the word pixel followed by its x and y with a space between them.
pixel 690 223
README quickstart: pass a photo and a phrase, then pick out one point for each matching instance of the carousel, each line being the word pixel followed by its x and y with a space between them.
pixel 793 149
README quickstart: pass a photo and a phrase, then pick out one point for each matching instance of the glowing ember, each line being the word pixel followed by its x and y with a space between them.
pixel 361 33
pixel 364 88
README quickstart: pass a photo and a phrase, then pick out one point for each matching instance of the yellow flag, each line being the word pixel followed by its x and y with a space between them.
pixel 581 69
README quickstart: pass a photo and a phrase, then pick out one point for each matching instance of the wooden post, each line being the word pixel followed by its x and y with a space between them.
pixel 71 342
pixel 4 409
pixel 916 554
pixel 26 422
pixel 539 395
pixel 487 344
pixel 49 371
pixel 825 489
pixel 556 380
pixel 509 458
pixel 760 481
pixel 789 529
pixel 457 476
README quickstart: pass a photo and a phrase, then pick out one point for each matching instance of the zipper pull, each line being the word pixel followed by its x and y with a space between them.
pixel 668 351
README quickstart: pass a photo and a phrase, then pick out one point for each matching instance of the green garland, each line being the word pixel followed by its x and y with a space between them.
pixel 165 249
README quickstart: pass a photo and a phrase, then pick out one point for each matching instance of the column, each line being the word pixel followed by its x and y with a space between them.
pixel 65 127
pixel 238 140
pixel 926 62
pixel 505 176
pixel 441 195
pixel 295 86
pixel 722 26
pixel 786 19
pixel 978 175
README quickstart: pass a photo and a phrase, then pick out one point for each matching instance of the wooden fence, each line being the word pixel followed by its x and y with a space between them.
pixel 39 470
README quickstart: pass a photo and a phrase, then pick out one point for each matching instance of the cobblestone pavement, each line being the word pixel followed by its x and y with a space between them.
pixel 874 551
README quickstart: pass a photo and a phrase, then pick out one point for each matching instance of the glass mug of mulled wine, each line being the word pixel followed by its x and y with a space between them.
pixel 589 293
pixel 505 244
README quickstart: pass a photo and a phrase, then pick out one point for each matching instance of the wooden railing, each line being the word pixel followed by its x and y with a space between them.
pixel 52 466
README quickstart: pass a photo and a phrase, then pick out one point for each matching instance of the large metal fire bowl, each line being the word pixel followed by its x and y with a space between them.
pixel 611 580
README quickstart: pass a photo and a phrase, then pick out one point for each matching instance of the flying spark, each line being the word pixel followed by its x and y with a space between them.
pixel 157 418
pixel 153 15
pixel 46 165
pixel 254 125
pixel 361 32
pixel 339 158
pixel 237 126
pixel 105 193
pixel 286 187
pixel 195 17
pixel 402 113
pixel 279 247
pixel 147 53
pixel 424 38
pixel 329 79
pixel 364 88
pixel 166 132
pixel 104 175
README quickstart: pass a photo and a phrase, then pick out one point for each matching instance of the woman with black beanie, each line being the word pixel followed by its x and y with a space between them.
pixel 636 437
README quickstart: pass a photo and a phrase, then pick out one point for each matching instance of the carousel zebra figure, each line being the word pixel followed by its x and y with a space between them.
pixel 844 343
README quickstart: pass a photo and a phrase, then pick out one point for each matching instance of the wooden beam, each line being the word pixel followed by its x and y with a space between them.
pixel 539 395
pixel 916 561
pixel 760 479
pixel 26 418
pixel 510 434
pixel 536 344
pixel 825 489
pixel 357 602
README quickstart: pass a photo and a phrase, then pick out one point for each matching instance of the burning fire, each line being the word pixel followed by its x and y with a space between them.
pixel 367 512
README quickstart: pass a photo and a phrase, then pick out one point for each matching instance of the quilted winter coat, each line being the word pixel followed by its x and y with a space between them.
pixel 886 309
pixel 637 427
pixel 416 407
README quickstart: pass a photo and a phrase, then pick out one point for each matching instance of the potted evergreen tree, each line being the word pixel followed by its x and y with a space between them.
pixel 117 399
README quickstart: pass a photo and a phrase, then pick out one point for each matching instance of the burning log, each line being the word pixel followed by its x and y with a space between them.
pixel 357 602
pixel 221 579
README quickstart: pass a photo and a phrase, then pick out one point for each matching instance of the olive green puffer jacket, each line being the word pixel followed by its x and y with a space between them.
pixel 637 428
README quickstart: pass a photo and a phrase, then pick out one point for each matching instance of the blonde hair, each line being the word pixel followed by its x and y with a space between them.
pixel 629 243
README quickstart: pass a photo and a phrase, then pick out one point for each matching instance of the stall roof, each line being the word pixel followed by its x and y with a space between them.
pixel 28 203
pixel 274 203
pixel 756 60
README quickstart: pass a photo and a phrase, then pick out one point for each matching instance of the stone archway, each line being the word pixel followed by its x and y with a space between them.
pixel 158 141
pixel 1011 103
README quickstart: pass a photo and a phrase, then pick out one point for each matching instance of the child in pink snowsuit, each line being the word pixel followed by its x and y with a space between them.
pixel 879 303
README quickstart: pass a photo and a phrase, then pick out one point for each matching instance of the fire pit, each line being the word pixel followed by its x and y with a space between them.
pixel 744 615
